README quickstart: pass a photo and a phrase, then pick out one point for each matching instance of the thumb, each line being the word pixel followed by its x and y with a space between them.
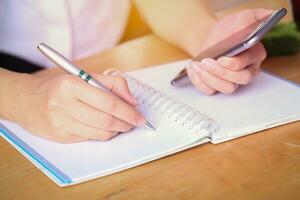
pixel 118 85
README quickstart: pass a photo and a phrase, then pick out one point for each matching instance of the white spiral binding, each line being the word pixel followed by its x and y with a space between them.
pixel 170 107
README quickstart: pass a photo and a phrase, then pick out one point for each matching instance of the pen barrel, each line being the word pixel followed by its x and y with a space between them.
pixel 58 59
pixel 89 79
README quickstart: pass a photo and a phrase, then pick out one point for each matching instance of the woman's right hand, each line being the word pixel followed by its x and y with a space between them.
pixel 66 109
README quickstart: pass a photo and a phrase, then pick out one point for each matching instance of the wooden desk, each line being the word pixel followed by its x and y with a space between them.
pixel 260 166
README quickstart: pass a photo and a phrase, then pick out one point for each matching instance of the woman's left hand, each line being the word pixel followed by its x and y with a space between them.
pixel 227 73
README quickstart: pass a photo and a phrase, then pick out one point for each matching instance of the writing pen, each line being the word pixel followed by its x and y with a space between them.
pixel 70 68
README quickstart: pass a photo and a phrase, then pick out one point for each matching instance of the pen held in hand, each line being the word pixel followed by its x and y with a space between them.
pixel 70 68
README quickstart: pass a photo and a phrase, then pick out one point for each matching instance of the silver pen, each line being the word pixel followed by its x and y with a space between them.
pixel 70 68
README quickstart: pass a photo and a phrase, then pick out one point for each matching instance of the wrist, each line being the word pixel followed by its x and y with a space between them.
pixel 11 90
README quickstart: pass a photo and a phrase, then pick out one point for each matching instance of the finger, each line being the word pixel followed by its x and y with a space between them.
pixel 91 133
pixel 255 54
pixel 97 119
pixel 109 103
pixel 242 77
pixel 214 82
pixel 118 85
pixel 197 82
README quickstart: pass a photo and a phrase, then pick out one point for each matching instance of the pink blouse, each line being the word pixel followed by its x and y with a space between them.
pixel 76 28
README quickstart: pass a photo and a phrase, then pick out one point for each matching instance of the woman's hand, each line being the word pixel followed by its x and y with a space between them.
pixel 66 109
pixel 227 73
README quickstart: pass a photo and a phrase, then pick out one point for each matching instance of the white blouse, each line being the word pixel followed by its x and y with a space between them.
pixel 76 28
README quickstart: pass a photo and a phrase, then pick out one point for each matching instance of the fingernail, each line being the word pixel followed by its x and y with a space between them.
pixel 196 66
pixel 208 63
pixel 141 122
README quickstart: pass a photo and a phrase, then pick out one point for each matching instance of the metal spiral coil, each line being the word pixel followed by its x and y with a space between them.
pixel 168 106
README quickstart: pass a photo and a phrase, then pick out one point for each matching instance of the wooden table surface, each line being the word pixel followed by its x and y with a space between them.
pixel 265 165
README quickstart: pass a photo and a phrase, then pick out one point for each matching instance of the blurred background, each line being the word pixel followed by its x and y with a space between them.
pixel 285 35
pixel 136 27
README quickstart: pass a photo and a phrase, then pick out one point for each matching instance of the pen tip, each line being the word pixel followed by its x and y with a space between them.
pixel 40 45
pixel 150 126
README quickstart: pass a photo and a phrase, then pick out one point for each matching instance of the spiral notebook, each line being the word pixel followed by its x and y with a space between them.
pixel 183 118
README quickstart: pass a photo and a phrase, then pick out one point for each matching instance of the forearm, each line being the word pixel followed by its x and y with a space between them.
pixel 184 23
pixel 11 84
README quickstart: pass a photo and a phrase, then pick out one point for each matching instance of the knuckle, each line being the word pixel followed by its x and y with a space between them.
pixel 60 86
pixel 58 127
pixel 51 100
pixel 52 110
pixel 50 103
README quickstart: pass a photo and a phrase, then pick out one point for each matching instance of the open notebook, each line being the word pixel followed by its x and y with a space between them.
pixel 183 118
